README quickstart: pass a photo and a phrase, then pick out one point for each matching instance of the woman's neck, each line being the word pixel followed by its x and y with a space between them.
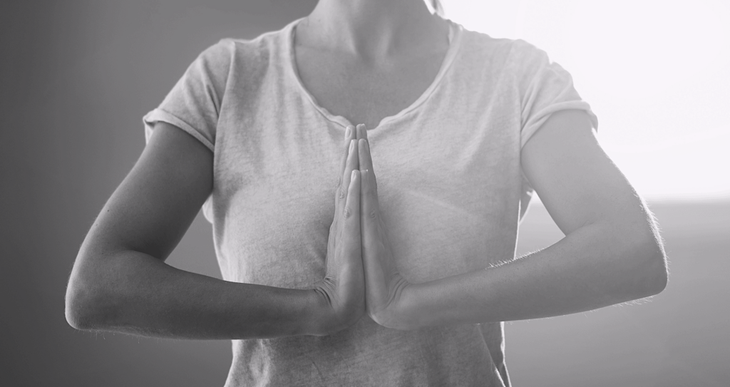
pixel 371 29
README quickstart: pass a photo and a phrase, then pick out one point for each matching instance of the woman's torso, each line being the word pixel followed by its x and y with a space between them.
pixel 450 189
pixel 447 151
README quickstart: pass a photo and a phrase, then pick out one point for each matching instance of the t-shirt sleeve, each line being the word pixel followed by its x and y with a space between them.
pixel 193 104
pixel 545 88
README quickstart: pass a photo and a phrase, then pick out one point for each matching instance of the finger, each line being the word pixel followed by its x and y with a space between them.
pixel 352 163
pixel 349 136
pixel 352 205
pixel 362 132
pixel 351 229
pixel 366 162
pixel 370 210
pixel 373 267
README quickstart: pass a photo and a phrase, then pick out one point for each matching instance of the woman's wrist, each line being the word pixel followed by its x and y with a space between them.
pixel 313 322
pixel 402 313
pixel 406 316
pixel 320 319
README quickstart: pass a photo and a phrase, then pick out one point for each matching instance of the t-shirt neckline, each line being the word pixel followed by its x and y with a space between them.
pixel 454 37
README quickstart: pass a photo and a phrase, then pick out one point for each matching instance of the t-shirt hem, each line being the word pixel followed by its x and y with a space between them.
pixel 160 115
pixel 542 116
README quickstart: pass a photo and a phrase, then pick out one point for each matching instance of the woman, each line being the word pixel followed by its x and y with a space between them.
pixel 406 279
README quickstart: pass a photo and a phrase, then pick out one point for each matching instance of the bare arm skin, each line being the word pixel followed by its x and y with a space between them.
pixel 611 253
pixel 121 283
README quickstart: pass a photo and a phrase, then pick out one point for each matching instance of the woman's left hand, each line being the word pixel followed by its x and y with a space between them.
pixel 384 286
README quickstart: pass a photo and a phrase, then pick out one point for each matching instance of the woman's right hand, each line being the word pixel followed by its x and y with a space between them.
pixel 341 294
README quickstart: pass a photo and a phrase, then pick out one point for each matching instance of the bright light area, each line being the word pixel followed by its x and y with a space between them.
pixel 656 73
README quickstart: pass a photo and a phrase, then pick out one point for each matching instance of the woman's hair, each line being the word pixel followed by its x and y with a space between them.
pixel 436 7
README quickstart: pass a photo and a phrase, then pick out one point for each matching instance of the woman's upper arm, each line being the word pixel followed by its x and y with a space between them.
pixel 580 186
pixel 155 204
pixel 576 180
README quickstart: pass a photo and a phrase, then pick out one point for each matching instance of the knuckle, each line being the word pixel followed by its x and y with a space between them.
pixel 373 214
pixel 347 213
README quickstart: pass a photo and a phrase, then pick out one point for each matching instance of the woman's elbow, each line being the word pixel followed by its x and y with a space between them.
pixel 80 309
pixel 651 269
pixel 85 304
pixel 77 309
pixel 657 277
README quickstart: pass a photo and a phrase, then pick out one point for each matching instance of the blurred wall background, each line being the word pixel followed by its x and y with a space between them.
pixel 76 78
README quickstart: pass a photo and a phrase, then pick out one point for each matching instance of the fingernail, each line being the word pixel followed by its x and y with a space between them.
pixel 353 174
pixel 352 145
pixel 348 130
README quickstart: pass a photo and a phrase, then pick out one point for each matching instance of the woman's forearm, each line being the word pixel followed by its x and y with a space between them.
pixel 135 293
pixel 120 282
pixel 594 266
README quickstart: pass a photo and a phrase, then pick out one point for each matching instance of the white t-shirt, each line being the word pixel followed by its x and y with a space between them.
pixel 451 192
